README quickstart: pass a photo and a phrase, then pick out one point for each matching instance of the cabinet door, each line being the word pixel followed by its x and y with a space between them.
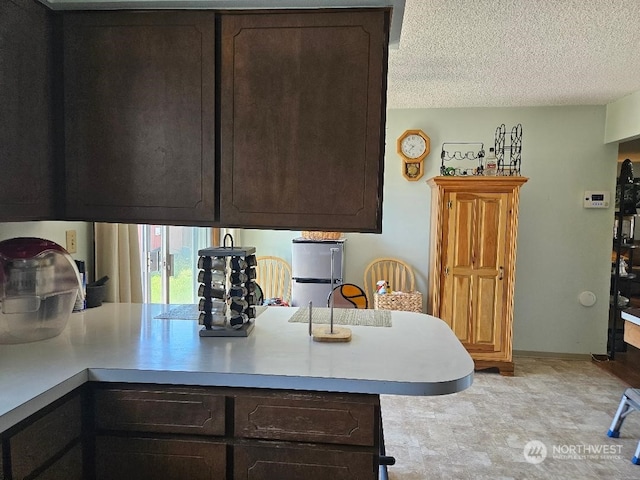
pixel 281 461
pixel 474 263
pixel 26 112
pixel 120 458
pixel 302 119
pixel 49 438
pixel 159 409
pixel 139 116
pixel 68 467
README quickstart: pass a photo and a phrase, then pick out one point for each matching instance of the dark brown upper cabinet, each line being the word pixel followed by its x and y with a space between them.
pixel 26 112
pixel 303 98
pixel 140 116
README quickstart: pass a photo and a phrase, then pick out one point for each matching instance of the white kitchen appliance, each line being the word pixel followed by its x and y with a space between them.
pixel 311 270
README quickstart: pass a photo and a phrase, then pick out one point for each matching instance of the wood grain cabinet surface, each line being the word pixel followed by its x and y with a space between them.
pixel 161 409
pixel 272 461
pixel 302 119
pixel 120 458
pixel 259 433
pixel 307 418
pixel 49 444
pixel 474 229
pixel 67 467
pixel 26 112
pixel 140 116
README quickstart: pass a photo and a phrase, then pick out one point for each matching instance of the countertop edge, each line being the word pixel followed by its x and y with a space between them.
pixel 42 400
pixel 208 379
pixel 279 382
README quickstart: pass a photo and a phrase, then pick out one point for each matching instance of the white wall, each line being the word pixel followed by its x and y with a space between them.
pixel 563 248
pixel 56 232
pixel 623 119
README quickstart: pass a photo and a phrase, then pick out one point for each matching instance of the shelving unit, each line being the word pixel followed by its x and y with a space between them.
pixel 621 245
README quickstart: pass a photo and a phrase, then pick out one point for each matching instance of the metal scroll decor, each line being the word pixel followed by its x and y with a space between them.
pixel 470 158
pixel 461 158
pixel 514 148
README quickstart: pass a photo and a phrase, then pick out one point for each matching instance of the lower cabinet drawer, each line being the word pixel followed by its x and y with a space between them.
pixel 123 458
pixel 279 461
pixel 323 418
pixel 161 410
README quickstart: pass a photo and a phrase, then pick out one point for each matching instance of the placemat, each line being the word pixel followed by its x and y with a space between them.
pixel 181 312
pixel 344 316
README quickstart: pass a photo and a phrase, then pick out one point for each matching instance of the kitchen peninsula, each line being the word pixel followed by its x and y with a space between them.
pixel 274 403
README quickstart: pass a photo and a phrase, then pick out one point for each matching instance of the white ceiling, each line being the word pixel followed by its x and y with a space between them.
pixel 485 53
pixel 490 53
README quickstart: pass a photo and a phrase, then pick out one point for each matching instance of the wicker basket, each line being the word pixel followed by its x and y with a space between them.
pixel 405 301
pixel 321 235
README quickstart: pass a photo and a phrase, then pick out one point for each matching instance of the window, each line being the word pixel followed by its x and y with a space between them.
pixel 169 256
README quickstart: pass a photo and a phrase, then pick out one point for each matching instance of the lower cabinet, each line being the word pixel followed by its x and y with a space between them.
pixel 145 431
pixel 67 467
pixel 269 461
pixel 122 431
pixel 46 445
pixel 120 458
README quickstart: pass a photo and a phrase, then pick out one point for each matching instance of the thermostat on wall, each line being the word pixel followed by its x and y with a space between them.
pixel 596 199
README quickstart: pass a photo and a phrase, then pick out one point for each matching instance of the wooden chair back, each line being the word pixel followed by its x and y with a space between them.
pixel 398 274
pixel 273 274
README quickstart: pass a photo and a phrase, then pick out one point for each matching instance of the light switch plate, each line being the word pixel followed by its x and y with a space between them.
pixel 72 243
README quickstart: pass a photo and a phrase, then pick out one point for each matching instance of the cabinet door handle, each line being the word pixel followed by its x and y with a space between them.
pixel 446 271
pixel 500 273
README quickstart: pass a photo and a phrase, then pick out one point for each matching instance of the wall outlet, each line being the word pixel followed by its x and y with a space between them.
pixel 72 244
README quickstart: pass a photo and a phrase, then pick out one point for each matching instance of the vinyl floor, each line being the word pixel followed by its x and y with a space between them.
pixel 549 421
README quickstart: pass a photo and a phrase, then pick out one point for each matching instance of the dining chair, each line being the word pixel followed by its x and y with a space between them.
pixel 273 274
pixel 398 274
pixel 348 295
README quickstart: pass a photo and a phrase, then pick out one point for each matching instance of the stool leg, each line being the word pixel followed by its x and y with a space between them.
pixel 636 456
pixel 623 410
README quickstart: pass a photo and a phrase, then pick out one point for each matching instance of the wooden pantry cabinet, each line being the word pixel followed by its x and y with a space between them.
pixel 303 98
pixel 474 224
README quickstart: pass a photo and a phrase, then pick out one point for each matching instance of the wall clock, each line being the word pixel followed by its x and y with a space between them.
pixel 413 147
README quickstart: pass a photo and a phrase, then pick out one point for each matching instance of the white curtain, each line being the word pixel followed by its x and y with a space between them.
pixel 118 256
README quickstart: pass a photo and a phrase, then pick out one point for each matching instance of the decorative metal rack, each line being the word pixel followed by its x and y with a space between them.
pixel 453 154
pixel 512 168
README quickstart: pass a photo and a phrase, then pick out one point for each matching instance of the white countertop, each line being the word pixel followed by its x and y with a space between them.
pixel 418 355
pixel 631 315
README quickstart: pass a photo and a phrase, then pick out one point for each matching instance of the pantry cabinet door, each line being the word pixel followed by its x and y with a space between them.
pixel 473 276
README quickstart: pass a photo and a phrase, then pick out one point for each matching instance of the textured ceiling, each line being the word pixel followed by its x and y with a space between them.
pixel 490 53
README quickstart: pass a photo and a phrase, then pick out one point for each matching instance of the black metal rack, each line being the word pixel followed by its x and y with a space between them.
pixel 514 148
pixel 625 210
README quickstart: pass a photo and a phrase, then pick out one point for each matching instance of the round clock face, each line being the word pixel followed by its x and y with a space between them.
pixel 413 145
